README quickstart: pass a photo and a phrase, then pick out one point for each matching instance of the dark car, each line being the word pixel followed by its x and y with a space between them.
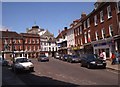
pixel 3 62
pixel 73 58
pixel 43 58
pixel 92 61
pixel 64 57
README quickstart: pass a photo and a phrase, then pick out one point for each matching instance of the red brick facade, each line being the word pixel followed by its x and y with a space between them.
pixel 19 44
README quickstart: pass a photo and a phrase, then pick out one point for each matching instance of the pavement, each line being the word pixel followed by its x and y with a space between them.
pixel 112 67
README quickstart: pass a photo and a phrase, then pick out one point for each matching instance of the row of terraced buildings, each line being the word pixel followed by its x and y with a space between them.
pixel 99 30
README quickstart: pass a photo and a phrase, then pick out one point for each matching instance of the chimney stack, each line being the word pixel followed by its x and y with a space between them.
pixel 65 28
pixel 83 15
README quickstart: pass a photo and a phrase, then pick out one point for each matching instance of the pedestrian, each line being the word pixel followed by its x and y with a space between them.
pixel 117 56
pixel 113 58
pixel 103 55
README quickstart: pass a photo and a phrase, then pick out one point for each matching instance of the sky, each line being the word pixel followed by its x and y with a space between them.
pixel 53 16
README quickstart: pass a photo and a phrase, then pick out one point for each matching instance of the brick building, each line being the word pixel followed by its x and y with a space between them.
pixel 62 41
pixel 31 45
pixel 11 44
pixel 99 29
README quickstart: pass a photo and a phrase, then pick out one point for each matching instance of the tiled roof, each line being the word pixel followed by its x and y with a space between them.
pixel 10 34
pixel 29 35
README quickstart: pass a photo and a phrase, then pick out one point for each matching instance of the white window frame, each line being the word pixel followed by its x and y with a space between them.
pixel 95 20
pixel 80 29
pixel 109 11
pixel 101 16
pixel 84 24
pixel 81 41
pixel 103 31
pixel 85 36
pixel 88 22
pixel 118 6
pixel 89 35
pixel 96 35
pixel 110 29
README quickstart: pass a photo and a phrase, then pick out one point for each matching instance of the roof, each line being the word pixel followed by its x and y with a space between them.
pixel 29 35
pixel 10 34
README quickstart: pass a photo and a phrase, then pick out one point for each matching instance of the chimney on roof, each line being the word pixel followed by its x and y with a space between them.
pixel 65 28
pixel 6 29
pixel 83 15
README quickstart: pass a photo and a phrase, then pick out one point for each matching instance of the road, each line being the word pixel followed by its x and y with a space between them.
pixel 57 72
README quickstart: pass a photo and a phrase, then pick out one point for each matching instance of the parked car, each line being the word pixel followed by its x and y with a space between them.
pixel 43 58
pixel 57 56
pixel 22 64
pixel 3 62
pixel 73 58
pixel 92 61
pixel 64 57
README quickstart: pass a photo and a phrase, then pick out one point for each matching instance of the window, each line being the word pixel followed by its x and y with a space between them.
pixel 37 40
pixel 88 22
pixel 81 41
pixel 25 40
pixel 85 37
pixel 97 36
pixel 95 20
pixel 109 12
pixel 118 6
pixel 89 39
pixel 101 16
pixel 80 29
pixel 84 24
pixel 28 40
pixel 110 30
pixel 103 33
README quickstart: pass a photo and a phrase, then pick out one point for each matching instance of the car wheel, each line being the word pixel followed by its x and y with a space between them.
pixel 15 71
pixel 104 67
pixel 70 61
pixel 81 64
pixel 88 66
pixel 32 69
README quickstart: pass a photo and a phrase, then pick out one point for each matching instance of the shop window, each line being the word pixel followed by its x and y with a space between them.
pixel 107 52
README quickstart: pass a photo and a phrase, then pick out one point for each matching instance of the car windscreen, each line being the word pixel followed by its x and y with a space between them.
pixel 20 60
pixel 92 57
pixel 74 56
pixel 42 55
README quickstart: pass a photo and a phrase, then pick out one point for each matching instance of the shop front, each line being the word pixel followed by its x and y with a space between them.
pixel 107 45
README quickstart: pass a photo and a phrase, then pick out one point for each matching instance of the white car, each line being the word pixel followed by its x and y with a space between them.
pixel 21 64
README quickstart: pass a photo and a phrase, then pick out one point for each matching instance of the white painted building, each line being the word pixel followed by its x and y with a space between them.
pixel 70 40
